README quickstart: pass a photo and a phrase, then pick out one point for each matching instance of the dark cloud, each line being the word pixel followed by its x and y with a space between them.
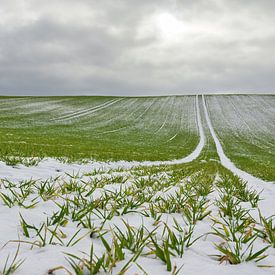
pixel 136 47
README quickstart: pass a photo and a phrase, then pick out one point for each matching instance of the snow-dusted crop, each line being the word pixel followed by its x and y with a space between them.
pixel 198 214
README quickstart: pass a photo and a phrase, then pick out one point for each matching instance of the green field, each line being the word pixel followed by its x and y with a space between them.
pixel 101 128
pixel 245 126
pixel 152 129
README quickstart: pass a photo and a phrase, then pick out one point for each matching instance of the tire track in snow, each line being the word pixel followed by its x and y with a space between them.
pixel 88 111
pixel 137 119
pixel 50 166
pixel 163 124
pixel 192 156
pixel 173 137
pixel 267 188
pixel 10 102
pixel 182 126
pixel 225 161
pixel 175 120
pixel 106 119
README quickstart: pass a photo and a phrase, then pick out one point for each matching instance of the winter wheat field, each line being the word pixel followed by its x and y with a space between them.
pixel 157 185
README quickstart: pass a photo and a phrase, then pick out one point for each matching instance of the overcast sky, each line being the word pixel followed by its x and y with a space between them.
pixel 135 47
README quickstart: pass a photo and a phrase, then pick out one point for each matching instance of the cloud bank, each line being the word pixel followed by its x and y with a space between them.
pixel 136 47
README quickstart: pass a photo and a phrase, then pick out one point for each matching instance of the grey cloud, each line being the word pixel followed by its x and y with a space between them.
pixel 112 47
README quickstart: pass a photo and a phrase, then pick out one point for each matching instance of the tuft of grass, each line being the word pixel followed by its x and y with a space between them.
pixel 238 240
pixel 268 231
pixel 12 265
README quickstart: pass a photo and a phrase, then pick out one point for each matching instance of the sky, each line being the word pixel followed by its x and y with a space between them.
pixel 136 47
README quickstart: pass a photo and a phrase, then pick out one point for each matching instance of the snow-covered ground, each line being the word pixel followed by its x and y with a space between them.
pixel 116 178
pixel 245 126
pixel 267 188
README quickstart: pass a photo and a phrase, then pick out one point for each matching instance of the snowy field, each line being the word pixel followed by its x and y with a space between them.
pixel 246 128
pixel 196 212
pixel 102 128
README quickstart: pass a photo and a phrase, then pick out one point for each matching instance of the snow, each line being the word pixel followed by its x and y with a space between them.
pixel 248 117
pixel 48 166
pixel 267 188
pixel 89 111
pixel 196 260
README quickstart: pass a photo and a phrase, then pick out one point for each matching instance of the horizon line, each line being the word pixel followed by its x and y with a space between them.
pixel 15 94
pixel 136 95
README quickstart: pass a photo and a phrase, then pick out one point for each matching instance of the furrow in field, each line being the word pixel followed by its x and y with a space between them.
pixel 180 123
pixel 164 122
pixel 141 118
pixel 197 150
pixel 131 164
pixel 128 110
pixel 175 122
pixel 256 123
pixel 7 103
pixel 70 111
pixel 248 131
pixel 155 116
pixel 88 111
pixel 31 105
pixel 127 126
pixel 263 111
pixel 187 123
pixel 123 119
pixel 147 109
pixel 173 137
pixel 175 110
pixel 263 119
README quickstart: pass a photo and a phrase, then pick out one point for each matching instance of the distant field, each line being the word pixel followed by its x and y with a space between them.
pixel 145 128
pixel 103 128
pixel 245 126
